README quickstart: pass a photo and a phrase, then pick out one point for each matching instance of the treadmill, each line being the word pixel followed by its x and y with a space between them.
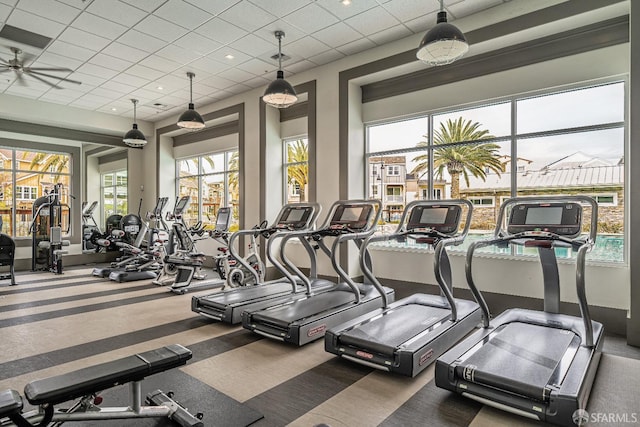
pixel 538 364
pixel 228 306
pixel 307 319
pixel 408 335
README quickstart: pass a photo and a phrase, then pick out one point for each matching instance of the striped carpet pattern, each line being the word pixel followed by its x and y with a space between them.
pixel 55 324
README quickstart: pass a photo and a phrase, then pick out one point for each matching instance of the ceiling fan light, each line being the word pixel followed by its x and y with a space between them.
pixel 134 138
pixel 443 44
pixel 280 93
pixel 191 119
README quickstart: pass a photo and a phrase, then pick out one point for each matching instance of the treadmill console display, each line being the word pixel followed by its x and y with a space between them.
pixel 558 218
pixel 295 218
pixel 354 217
pixel 444 219
pixel 222 221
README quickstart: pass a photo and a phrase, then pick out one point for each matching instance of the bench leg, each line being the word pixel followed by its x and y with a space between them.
pixel 180 415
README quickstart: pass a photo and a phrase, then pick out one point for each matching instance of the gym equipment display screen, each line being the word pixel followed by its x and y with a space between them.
pixel 223 218
pixel 295 217
pixel 442 218
pixel 551 215
pixel 558 218
pixel 353 216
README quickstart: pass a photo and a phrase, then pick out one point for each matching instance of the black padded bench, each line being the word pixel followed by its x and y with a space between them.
pixel 88 382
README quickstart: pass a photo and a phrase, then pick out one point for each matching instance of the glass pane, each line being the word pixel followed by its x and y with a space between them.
pixel 121 178
pixel 189 187
pixel 6 202
pixel 297 151
pixel 297 184
pixel 43 162
pixel 188 167
pixel 5 158
pixel 397 135
pixel 108 207
pixel 107 180
pixel 476 123
pixel 212 163
pixel 583 107
pixel 589 163
pixel 122 207
pixel 233 160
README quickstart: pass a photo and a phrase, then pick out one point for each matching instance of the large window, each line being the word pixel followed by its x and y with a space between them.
pixel 211 182
pixel 114 194
pixel 25 176
pixel 562 143
pixel 296 170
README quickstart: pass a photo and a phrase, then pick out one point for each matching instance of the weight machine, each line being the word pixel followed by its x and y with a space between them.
pixel 46 231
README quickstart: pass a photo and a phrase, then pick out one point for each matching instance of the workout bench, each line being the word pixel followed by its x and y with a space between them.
pixel 86 384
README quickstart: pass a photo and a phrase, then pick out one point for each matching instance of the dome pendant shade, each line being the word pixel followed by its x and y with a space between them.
pixel 191 119
pixel 280 93
pixel 443 44
pixel 134 138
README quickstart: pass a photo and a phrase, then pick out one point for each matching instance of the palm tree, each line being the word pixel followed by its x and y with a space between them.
pixel 298 168
pixel 468 159
pixel 45 162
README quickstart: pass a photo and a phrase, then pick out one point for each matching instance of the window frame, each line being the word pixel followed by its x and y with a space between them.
pixel 285 169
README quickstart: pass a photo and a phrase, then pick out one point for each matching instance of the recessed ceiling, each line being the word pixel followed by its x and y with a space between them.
pixel 123 49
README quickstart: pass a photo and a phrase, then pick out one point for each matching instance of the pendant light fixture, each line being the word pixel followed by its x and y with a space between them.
pixel 134 138
pixel 190 119
pixel 443 44
pixel 280 93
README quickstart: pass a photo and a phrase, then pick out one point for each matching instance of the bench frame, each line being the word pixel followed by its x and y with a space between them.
pixel 85 408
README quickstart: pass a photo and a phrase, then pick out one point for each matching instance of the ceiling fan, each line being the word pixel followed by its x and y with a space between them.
pixel 17 66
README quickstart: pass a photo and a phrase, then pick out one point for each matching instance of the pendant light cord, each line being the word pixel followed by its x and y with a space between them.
pixel 191 88
pixel 134 111
pixel 441 5
pixel 280 52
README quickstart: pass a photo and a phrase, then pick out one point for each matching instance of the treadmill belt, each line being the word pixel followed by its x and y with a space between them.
pixel 248 293
pixel 283 316
pixel 519 358
pixel 390 331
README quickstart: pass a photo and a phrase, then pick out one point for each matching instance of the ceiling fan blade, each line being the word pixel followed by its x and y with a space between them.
pixel 4 69
pixel 3 61
pixel 20 78
pixel 44 81
pixel 27 58
pixel 54 77
pixel 47 69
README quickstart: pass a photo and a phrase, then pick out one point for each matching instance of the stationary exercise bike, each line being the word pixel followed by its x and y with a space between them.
pixel 231 270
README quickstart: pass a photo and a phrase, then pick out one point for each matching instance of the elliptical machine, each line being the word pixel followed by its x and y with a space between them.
pixel 46 230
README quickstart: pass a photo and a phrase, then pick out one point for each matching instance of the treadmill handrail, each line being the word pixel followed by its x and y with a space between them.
pixel 584 246
pixel 309 225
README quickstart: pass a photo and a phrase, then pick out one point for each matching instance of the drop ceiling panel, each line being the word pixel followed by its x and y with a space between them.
pixel 50 9
pixel 70 50
pixel 4 12
pixel 30 22
pixel 221 31
pixel 160 28
pixel 372 21
pixel 111 62
pixel 142 41
pixel 146 5
pixel 213 7
pixel 125 52
pixel 123 49
pixel 84 39
pixel 197 43
pixel 390 34
pixel 117 11
pixel 99 26
pixel 247 16
pixel 311 18
pixel 183 14
pixel 337 34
